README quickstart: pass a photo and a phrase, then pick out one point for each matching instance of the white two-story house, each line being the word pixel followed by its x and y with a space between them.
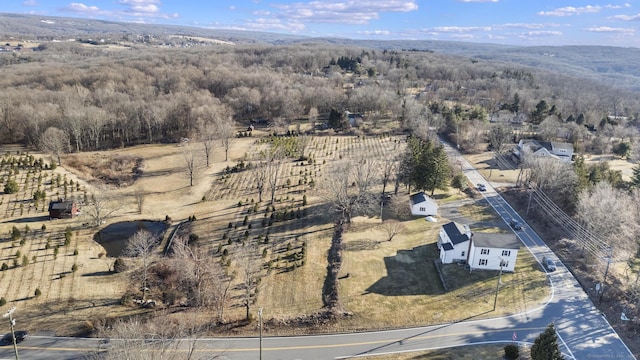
pixel 491 251
pixel 453 242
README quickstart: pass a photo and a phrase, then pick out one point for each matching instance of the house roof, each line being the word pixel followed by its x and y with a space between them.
pixel 61 205
pixel 561 145
pixel 495 240
pixel 456 232
pixel 447 246
pixel 421 197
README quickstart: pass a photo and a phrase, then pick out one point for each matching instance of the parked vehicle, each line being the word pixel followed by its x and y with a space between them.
pixel 549 264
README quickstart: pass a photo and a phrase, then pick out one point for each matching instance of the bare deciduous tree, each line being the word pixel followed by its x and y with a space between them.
pixel 499 135
pixel 607 211
pixel 260 175
pixel 349 190
pixel 313 118
pixel 554 177
pixel 101 206
pixel 163 337
pixel 225 128
pixel 389 168
pixel 303 141
pixel 204 281
pixel 249 262
pixel 142 245
pixel 140 197
pixel 192 164
pixel 55 141
pixel 273 166
pixel 392 227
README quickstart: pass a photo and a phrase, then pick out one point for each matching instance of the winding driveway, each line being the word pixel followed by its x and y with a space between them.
pixel 583 332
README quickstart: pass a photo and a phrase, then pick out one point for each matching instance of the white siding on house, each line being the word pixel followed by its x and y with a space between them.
pixel 493 251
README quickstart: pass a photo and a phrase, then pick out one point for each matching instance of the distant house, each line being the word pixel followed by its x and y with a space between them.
pixel 354 119
pixel 453 242
pixel 557 150
pixel 63 209
pixel 493 251
pixel 423 205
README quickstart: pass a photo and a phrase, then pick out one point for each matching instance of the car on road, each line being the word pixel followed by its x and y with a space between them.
pixel 549 264
pixel 481 187
pixel 7 339
pixel 515 224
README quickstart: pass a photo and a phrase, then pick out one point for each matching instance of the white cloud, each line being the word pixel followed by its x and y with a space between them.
pixel 460 29
pixel 543 33
pixel 570 11
pixel 144 8
pixel 480 1
pixel 626 5
pixel 84 9
pixel 375 32
pixel 30 3
pixel 627 17
pixel 265 24
pixel 141 6
pixel 525 26
pixel 606 29
pixel 348 11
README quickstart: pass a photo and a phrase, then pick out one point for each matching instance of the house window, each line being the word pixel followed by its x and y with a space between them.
pixel 423 209
pixel 504 263
pixel 484 252
pixel 482 262
pixel 462 253
pixel 506 252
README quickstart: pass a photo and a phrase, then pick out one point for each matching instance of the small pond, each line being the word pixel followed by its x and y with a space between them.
pixel 114 237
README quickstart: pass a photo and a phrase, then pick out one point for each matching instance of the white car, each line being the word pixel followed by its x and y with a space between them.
pixel 481 187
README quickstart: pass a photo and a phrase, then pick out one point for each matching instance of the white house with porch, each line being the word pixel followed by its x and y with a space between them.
pixel 491 251
pixel 423 205
pixel 556 150
pixel 453 242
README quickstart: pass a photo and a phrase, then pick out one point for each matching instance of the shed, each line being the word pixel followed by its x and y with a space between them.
pixel 63 209
pixel 423 205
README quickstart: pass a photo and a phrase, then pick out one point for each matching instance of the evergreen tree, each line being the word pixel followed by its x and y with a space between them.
pixel 541 111
pixel 439 171
pixel 635 179
pixel 337 120
pixel 582 172
pixel 546 347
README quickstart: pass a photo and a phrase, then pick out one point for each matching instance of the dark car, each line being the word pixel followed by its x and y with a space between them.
pixel 481 187
pixel 7 339
pixel 548 264
pixel 515 224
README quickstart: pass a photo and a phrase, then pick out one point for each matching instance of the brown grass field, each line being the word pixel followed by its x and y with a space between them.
pixel 385 284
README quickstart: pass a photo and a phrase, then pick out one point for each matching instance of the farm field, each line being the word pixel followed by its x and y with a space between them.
pixel 292 237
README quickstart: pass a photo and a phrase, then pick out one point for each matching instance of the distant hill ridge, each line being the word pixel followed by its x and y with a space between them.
pixel 614 66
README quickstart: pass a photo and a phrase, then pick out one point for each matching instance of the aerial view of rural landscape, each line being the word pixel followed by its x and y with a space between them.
pixel 319 180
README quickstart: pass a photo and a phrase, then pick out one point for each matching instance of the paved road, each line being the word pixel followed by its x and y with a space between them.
pixel 584 333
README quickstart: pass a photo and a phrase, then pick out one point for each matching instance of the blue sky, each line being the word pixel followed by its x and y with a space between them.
pixel 519 22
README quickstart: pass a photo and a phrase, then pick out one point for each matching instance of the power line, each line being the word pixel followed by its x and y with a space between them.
pixel 589 241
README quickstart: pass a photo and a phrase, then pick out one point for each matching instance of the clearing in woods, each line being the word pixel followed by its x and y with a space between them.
pixel 292 234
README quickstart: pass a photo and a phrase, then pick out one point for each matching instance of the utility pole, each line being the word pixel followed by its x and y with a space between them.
pixel 495 300
pixel 13 335
pixel 260 324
